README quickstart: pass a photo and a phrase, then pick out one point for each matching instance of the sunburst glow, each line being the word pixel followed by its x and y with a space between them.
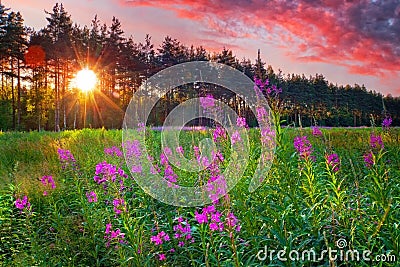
pixel 86 80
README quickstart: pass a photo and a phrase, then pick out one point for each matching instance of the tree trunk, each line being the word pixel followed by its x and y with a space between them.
pixel 65 71
pixel 19 93
pixel 12 93
pixel 2 76
pixel 57 98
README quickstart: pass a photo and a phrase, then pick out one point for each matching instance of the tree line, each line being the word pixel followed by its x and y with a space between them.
pixel 38 66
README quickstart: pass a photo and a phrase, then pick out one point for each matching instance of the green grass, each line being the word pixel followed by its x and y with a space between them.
pixel 357 204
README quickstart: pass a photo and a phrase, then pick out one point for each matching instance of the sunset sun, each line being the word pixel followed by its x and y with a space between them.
pixel 86 80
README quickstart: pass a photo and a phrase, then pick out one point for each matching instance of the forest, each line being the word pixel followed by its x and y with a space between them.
pixel 38 68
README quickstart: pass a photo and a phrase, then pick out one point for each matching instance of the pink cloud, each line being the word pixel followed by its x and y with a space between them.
pixel 346 33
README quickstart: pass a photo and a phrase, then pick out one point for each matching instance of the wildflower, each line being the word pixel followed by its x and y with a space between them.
pixel 219 132
pixel 333 161
pixel 376 141
pixel 213 226
pixel 316 131
pixel 154 170
pixel 274 89
pixel 235 137
pixel 216 217
pixel 132 149
pixel 108 228
pixel 182 231
pixel 167 151
pixel 216 186
pixel 179 150
pixel 241 122
pixel 107 172
pixel 201 217
pixel 387 122
pixel 369 159
pixel 119 205
pixel 91 196
pixel 113 151
pixel 216 226
pixel 66 159
pixel 217 156
pixel 262 114
pixel 260 83
pixel 196 151
pixel 48 180
pixel 209 209
pixel 163 159
pixel 158 239
pixel 113 236
pixel 22 203
pixel 207 102
pixel 161 257
pixel 170 176
pixel 136 169
pixel 303 146
pixel 267 136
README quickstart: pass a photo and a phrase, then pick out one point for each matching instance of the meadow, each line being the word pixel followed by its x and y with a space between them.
pixel 68 199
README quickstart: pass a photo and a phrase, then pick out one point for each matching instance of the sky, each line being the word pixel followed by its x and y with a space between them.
pixel 347 41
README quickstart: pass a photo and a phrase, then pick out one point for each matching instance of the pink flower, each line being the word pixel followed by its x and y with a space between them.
pixel 241 122
pixel 235 137
pixel 108 228
pixel 113 151
pixel 167 151
pixel 113 236
pixel 219 132
pixel 316 131
pixel 22 203
pixel 216 217
pixel 303 146
pixel 213 226
pixel 66 159
pixel 136 169
pixel 48 180
pixel 207 102
pixel 369 159
pixel 132 149
pixel 387 122
pixel 209 209
pixel 91 196
pixel 201 217
pixel 376 141
pixel 119 205
pixel 179 150
pixel 333 161
pixel 156 240
pixel 161 257
pixel 261 114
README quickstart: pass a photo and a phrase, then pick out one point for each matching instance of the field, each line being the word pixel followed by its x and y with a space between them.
pixel 331 198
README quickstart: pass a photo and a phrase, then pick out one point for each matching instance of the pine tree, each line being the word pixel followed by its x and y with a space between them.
pixel 59 30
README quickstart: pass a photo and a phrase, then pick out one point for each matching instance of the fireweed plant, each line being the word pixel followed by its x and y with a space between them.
pixel 324 184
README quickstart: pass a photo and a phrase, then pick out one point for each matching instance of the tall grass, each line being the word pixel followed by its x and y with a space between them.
pixel 302 204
